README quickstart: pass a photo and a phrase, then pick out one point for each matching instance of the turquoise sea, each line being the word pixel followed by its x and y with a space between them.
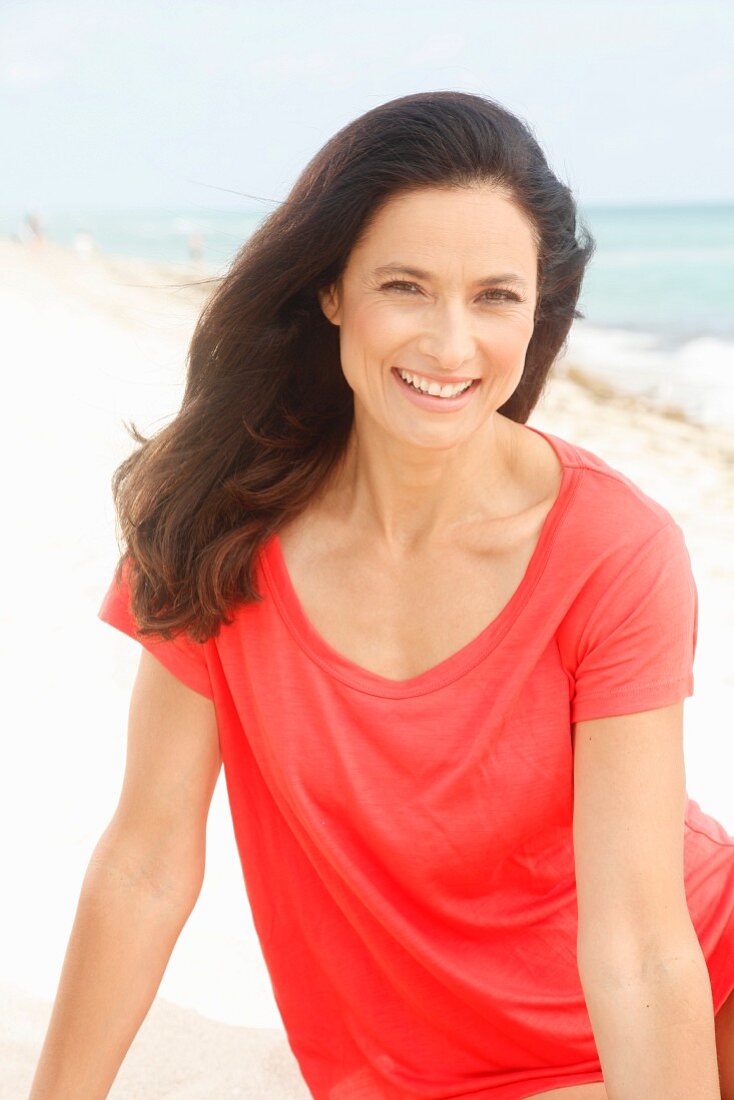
pixel 658 298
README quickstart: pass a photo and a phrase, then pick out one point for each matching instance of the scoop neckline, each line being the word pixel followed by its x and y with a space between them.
pixel 460 662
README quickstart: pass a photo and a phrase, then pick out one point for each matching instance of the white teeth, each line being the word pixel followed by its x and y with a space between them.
pixel 435 389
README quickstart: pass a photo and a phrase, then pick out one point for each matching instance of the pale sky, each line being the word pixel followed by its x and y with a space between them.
pixel 179 104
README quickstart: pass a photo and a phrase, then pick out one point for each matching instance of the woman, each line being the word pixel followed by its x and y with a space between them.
pixel 442 656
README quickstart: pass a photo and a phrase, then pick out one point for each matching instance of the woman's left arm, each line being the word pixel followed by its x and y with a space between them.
pixel 641 966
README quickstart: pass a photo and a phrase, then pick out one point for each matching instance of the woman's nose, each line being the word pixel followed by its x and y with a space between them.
pixel 450 338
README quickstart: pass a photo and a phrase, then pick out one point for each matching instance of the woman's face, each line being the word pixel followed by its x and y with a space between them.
pixel 464 310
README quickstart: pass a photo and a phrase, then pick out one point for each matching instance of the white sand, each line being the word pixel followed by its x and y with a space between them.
pixel 87 343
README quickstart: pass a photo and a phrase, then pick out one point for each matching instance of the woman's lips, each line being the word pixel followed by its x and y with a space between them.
pixel 432 402
pixel 442 379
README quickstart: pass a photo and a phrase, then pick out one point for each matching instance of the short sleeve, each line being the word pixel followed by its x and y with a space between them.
pixel 637 649
pixel 182 656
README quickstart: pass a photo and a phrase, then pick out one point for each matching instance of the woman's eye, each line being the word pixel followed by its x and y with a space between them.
pixel 507 295
pixel 396 285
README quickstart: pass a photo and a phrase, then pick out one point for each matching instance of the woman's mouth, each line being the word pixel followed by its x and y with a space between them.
pixel 435 402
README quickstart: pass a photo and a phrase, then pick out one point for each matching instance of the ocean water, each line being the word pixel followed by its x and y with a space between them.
pixel 658 296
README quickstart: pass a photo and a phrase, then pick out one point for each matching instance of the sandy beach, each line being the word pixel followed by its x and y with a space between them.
pixel 87 343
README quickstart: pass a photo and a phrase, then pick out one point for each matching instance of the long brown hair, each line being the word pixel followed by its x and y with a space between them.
pixel 267 412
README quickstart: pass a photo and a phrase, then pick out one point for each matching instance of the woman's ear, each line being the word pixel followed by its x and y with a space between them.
pixel 329 300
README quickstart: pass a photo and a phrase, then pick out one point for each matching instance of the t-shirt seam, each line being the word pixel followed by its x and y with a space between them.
pixel 630 689
pixel 619 477
pixel 707 836
pixel 127 625
pixel 198 671
pixel 633 559
pixel 306 647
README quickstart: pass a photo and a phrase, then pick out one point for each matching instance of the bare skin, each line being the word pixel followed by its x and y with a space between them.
pixel 398 616
pixel 724 1023
pixel 427 527
pixel 412 477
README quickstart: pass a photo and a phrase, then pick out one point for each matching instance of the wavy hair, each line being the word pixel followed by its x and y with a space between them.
pixel 266 411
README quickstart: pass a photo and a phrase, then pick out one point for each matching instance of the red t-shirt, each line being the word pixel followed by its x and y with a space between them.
pixel 407 845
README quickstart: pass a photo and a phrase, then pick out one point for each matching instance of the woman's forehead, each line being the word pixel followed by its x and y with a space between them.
pixel 456 229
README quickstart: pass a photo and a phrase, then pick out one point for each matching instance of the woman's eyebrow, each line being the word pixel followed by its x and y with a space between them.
pixel 417 273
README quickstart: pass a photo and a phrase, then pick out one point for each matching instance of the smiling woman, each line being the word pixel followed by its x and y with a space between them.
pixel 429 634
pixel 447 317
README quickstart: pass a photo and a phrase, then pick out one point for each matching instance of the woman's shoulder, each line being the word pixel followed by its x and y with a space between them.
pixel 610 500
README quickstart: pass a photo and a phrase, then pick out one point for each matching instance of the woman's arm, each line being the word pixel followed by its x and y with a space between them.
pixel 141 884
pixel 655 1035
pixel 641 966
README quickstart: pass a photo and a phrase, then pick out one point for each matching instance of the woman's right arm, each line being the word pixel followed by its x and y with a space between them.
pixel 142 882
